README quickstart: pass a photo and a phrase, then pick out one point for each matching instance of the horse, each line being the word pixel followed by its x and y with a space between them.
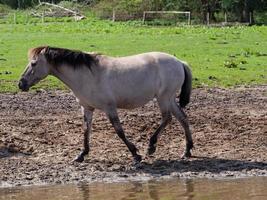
pixel 111 83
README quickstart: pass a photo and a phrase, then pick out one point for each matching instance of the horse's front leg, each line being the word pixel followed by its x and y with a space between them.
pixel 115 121
pixel 87 116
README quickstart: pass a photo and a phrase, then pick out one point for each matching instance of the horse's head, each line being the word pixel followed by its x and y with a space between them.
pixel 37 69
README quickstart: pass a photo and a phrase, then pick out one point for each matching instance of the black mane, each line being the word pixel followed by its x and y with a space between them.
pixel 74 58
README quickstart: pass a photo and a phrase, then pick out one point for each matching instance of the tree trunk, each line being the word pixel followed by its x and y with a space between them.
pixel 204 10
pixel 19 5
pixel 252 17
pixel 246 12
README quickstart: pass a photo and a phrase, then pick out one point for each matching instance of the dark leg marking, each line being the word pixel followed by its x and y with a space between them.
pixel 88 116
pixel 166 119
pixel 182 118
pixel 115 121
pixel 188 137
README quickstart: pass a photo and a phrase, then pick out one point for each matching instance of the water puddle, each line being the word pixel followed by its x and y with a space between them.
pixel 173 189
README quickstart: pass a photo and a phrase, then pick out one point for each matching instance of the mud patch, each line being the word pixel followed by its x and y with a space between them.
pixel 41 133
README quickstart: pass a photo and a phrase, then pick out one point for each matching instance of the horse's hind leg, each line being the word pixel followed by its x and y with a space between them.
pixel 166 119
pixel 182 118
pixel 87 116
pixel 115 121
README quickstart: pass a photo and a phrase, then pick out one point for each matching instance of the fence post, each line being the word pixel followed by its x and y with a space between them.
pixel 208 18
pixel 144 17
pixel 189 18
pixel 75 17
pixel 113 15
pixel 27 18
pixel 225 17
pixel 43 15
pixel 250 18
pixel 15 18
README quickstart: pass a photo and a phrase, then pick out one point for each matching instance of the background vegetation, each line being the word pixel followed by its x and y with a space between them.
pixel 238 10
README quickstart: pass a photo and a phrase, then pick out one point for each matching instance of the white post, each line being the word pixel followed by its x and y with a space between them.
pixel 189 18
pixel 225 17
pixel 43 15
pixel 250 18
pixel 144 17
pixel 27 18
pixel 208 18
pixel 14 18
pixel 113 15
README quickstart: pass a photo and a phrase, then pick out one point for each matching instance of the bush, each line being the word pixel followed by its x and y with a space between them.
pixel 67 4
pixel 4 9
pixel 19 4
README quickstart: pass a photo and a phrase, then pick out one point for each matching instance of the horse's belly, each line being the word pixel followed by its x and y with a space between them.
pixel 134 102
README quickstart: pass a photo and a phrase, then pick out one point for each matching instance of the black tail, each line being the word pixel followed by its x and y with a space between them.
pixel 186 87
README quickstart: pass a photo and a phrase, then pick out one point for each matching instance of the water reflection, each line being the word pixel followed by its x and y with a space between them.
pixel 85 191
pixel 190 189
pixel 189 193
pixel 153 190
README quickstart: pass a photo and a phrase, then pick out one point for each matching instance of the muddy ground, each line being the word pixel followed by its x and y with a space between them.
pixel 41 133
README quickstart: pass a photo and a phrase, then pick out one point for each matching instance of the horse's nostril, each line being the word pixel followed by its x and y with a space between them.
pixel 22 84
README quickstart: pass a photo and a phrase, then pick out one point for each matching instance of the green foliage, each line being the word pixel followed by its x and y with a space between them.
pixel 67 4
pixel 238 10
pixel 4 9
pixel 230 64
pixel 124 9
pixel 19 3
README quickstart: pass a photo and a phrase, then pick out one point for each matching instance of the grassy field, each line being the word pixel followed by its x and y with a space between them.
pixel 221 57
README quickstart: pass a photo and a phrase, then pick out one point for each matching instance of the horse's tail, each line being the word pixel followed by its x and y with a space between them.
pixel 186 87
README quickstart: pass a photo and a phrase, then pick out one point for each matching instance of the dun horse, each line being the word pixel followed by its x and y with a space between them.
pixel 108 83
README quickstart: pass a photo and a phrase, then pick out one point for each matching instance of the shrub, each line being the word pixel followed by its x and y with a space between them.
pixel 4 9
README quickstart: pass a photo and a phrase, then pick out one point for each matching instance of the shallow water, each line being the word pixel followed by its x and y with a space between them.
pixel 189 189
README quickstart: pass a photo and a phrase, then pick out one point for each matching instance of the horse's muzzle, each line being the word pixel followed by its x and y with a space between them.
pixel 23 85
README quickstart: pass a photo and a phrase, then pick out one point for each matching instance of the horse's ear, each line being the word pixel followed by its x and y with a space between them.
pixel 32 53
pixel 44 50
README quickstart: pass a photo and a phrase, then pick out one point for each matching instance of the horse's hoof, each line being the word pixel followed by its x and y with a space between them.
pixel 137 165
pixel 137 158
pixel 186 155
pixel 137 162
pixel 151 150
pixel 79 159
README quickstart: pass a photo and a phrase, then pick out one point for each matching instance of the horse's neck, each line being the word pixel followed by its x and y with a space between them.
pixel 68 76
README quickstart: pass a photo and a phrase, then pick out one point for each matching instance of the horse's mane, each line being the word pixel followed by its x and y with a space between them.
pixel 57 56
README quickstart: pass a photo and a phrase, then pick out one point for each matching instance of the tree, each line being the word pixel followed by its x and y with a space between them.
pixel 19 3
pixel 244 9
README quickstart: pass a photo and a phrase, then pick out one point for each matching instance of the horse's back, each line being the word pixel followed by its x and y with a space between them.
pixel 134 80
pixel 152 61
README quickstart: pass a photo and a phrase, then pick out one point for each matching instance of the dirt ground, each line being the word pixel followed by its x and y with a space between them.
pixel 41 133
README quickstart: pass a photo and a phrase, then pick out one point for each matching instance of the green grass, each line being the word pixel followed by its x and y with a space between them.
pixel 220 57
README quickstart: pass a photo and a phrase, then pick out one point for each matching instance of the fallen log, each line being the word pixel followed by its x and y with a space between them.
pixel 60 7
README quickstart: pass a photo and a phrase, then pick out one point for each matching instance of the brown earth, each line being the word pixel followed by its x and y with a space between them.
pixel 41 133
